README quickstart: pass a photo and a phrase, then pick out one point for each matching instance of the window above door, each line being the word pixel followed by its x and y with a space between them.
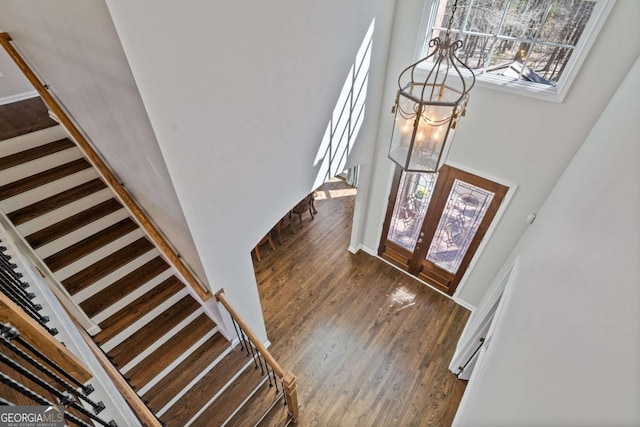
pixel 529 47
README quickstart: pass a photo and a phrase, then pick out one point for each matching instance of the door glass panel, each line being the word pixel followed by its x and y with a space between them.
pixel 414 193
pixel 460 220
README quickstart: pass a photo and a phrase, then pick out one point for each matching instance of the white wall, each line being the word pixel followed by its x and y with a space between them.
pixel 566 348
pixel 239 94
pixel 74 47
pixel 513 138
pixel 13 84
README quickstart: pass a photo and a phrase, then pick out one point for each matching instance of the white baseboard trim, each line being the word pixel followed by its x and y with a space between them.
pixel 368 250
pixel 19 97
pixel 464 304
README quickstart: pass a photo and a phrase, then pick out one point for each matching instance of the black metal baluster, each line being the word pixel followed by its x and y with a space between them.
pixel 66 398
pixel 237 333
pixel 269 374
pixel 14 287
pixel 9 267
pixel 4 379
pixel 260 360
pixel 97 406
pixel 283 393
pixel 16 284
pixel 241 336
pixel 275 379
pixel 5 260
pixel 251 350
pixel 18 293
pixel 42 320
pixel 49 362
pixel 27 306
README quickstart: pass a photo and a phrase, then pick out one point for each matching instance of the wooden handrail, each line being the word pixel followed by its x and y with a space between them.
pixel 105 172
pixel 288 379
pixel 142 411
pixel 36 335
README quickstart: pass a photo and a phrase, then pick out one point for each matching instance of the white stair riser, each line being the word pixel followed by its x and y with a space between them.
pixel 31 140
pixel 65 211
pixel 140 323
pixel 155 380
pixel 114 308
pixel 37 194
pixel 41 164
pixel 76 236
pixel 166 337
pixel 98 255
pixel 198 378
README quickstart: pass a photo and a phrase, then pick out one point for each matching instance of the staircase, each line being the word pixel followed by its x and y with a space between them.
pixel 153 330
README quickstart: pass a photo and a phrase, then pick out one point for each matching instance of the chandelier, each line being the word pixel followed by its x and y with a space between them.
pixel 427 110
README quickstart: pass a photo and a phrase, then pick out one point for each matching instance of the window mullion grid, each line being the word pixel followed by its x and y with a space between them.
pixel 535 37
pixel 496 37
pixel 466 17
pixel 511 38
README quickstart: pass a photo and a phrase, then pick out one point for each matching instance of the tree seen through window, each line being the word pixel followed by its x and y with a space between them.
pixel 528 40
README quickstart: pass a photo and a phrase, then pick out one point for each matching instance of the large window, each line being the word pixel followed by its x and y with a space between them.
pixel 531 45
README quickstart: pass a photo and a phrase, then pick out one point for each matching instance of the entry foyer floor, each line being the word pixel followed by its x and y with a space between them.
pixel 369 344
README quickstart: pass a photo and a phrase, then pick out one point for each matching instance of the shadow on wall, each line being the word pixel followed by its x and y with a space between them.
pixel 347 116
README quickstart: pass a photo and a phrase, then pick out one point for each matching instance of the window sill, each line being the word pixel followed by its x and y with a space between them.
pixel 515 87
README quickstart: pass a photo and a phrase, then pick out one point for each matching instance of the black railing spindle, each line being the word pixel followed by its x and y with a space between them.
pixel 97 406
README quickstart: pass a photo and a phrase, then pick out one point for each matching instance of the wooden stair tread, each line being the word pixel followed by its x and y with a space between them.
pixel 34 153
pixel 126 351
pixel 234 395
pixel 105 266
pixel 189 404
pixel 258 406
pixel 50 175
pixel 277 417
pixel 74 222
pixel 172 384
pixel 117 323
pixel 89 244
pixel 123 287
pixel 49 204
pixel 168 352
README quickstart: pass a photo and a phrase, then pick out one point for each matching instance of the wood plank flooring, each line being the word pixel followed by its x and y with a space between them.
pixel 370 345
pixel 22 117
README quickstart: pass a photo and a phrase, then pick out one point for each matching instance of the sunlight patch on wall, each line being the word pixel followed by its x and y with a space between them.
pixel 348 114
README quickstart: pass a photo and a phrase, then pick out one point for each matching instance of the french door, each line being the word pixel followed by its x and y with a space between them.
pixel 435 223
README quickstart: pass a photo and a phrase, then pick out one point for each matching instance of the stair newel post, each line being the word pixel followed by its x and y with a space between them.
pixel 290 384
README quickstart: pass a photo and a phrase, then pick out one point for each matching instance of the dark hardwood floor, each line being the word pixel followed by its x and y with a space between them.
pixel 369 344
pixel 22 117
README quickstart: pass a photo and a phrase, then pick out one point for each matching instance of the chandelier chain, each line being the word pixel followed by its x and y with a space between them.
pixel 453 13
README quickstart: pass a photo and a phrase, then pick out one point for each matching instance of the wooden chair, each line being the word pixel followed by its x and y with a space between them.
pixel 306 204
pixel 264 240
pixel 284 222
